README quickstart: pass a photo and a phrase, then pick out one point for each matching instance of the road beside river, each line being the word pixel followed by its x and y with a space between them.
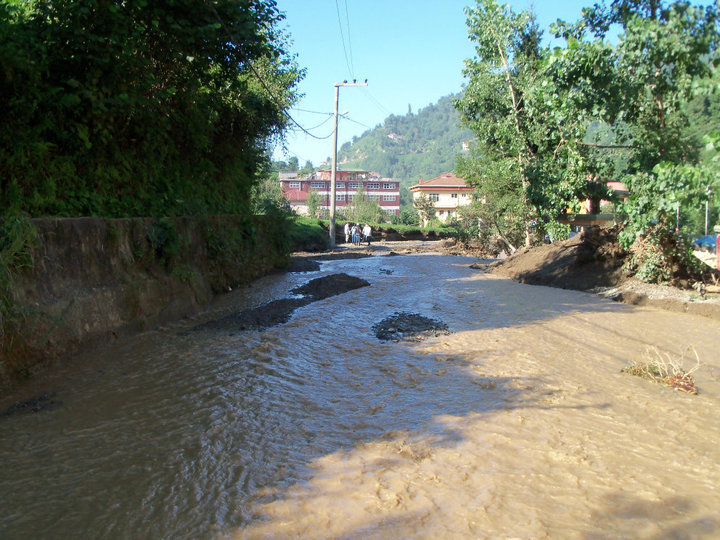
pixel 518 423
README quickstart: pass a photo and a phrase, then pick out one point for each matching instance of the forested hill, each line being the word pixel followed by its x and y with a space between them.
pixel 424 144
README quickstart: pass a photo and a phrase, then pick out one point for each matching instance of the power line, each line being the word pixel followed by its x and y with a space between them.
pixel 342 39
pixel 354 121
pixel 300 158
pixel 259 78
pixel 323 122
pixel 313 136
pixel 347 20
pixel 313 112
pixel 379 105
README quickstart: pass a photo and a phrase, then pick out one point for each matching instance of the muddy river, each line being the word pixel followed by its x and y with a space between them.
pixel 517 424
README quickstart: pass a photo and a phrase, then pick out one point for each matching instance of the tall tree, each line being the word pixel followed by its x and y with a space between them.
pixel 507 60
pixel 115 107
pixel 666 51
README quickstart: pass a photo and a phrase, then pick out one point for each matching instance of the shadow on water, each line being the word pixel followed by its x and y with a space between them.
pixel 634 514
pixel 173 435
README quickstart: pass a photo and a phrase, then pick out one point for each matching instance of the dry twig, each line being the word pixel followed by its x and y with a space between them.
pixel 662 368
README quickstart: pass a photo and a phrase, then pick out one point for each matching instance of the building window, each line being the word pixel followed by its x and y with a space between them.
pixel 354 185
pixel 388 197
pixel 340 185
pixel 389 186
pixel 464 195
pixel 373 198
pixel 317 185
pixel 339 196
pixel 351 196
pixel 453 195
pixel 294 185
pixel 434 197
pixel 373 185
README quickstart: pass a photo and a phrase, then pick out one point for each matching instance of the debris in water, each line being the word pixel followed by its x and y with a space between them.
pixel 402 326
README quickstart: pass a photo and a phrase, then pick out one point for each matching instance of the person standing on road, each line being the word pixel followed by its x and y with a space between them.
pixel 367 233
pixel 347 232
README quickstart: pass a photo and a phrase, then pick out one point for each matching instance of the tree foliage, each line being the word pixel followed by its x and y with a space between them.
pixel 363 210
pixel 314 202
pixel 425 208
pixel 134 108
pixel 551 122
pixel 496 106
pixel 666 54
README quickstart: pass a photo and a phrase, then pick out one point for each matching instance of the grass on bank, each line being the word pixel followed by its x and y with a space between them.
pixel 662 368
pixel 307 233
pixel 311 233
pixel 403 229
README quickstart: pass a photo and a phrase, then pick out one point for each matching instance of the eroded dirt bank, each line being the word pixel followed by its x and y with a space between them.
pixel 93 280
pixel 593 261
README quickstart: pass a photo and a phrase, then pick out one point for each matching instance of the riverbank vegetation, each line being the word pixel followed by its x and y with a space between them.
pixel 552 123
pixel 311 234
pixel 139 108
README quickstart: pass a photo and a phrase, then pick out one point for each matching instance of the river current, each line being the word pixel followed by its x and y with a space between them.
pixel 518 424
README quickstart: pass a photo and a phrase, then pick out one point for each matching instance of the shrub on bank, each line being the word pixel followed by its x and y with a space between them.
pixel 307 234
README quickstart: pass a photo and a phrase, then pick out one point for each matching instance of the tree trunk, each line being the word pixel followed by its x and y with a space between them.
pixel 523 177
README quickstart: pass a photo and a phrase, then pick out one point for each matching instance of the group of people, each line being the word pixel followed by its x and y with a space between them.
pixel 357 233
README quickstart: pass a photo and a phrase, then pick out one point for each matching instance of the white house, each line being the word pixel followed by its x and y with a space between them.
pixel 447 192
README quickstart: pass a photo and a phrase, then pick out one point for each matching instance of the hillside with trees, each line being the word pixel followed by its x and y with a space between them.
pixel 422 144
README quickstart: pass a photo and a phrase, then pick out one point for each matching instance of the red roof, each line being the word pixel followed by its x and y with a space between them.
pixel 444 181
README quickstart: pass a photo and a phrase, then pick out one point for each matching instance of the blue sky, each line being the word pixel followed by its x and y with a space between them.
pixel 411 52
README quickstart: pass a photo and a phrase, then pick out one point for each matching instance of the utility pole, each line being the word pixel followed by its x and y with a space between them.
pixel 333 172
pixel 707 208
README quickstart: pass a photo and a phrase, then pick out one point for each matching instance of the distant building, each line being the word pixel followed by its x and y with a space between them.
pixel 288 175
pixel 384 191
pixel 447 192
pixel 590 211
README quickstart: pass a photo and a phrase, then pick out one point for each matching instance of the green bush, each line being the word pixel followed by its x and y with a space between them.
pixel 139 109
pixel 18 237
pixel 305 232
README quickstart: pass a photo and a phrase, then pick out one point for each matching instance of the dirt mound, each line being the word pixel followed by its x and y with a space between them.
pixel 403 326
pixel 327 286
pixel 589 260
pixel 279 311
pixel 593 261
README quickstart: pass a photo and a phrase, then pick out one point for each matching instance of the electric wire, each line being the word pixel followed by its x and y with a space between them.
pixel 300 158
pixel 262 82
pixel 342 39
pixel 322 123
pixel 313 112
pixel 372 98
pixel 347 20
pixel 355 121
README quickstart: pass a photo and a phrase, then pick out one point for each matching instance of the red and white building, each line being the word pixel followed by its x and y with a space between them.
pixel 447 192
pixel 384 191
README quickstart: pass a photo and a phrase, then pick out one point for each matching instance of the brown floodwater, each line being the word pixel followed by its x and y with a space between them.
pixel 518 424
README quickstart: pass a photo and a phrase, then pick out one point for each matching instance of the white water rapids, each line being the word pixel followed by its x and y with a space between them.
pixel 518 424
